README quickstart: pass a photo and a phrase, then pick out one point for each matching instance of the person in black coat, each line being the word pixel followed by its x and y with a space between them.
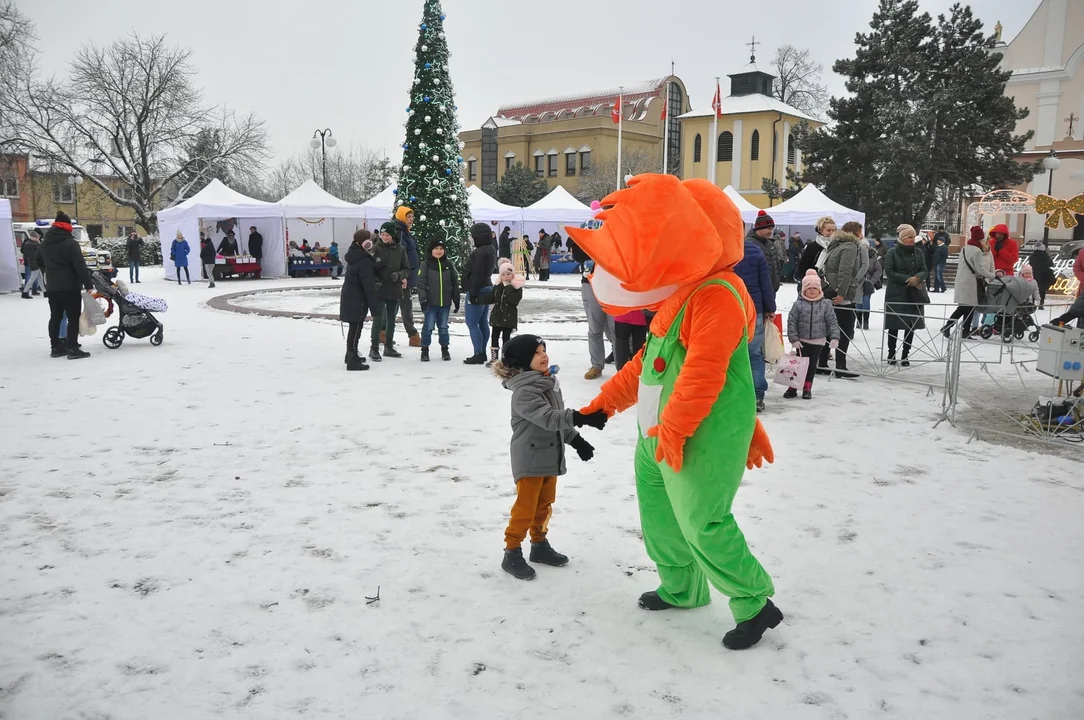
pixel 66 273
pixel 207 259
pixel 359 294
pixel 255 245
pixel 1043 266
pixel 228 246
pixel 504 245
pixel 478 286
pixel 32 275
pixel 133 246
pixel 438 295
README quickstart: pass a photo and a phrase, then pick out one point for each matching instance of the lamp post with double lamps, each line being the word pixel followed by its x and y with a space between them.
pixel 1051 163
pixel 324 142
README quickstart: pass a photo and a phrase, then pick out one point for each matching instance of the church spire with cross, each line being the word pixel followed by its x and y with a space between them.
pixel 753 50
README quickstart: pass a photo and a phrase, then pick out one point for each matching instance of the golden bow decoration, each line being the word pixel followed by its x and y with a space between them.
pixel 1059 211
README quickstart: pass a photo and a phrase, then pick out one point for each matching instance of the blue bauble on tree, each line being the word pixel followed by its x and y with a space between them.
pixel 412 198
pixel 428 66
pixel 424 26
pixel 427 98
pixel 395 191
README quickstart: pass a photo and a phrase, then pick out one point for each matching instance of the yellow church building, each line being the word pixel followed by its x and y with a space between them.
pixel 563 138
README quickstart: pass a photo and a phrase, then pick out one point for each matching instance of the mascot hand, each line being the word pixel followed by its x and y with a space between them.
pixel 760 450
pixel 599 404
pixel 671 446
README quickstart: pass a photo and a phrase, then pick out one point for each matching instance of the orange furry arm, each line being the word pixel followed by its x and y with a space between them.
pixel 621 392
pixel 760 449
pixel 713 326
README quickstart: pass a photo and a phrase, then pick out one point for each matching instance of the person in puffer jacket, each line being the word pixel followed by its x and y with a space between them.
pixel 810 324
pixel 754 270
pixel 504 317
pixel 438 294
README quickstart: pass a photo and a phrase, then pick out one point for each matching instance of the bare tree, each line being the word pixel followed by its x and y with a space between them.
pixel 17 54
pixel 601 179
pixel 798 81
pixel 134 108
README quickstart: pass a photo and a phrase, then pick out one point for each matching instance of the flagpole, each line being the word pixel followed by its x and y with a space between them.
pixel 714 147
pixel 620 119
pixel 665 128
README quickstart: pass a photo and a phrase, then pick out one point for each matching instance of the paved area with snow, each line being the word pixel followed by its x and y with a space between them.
pixel 193 530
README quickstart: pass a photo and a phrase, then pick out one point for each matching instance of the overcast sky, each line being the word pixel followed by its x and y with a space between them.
pixel 348 64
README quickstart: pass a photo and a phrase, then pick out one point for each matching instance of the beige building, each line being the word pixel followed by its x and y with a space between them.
pixel 561 138
pixel 1047 63
pixel 755 139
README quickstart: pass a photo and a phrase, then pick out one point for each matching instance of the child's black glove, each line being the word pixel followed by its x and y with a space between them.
pixel 596 419
pixel 584 449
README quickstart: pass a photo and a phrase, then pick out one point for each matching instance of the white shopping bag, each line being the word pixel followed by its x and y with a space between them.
pixel 773 343
pixel 791 371
pixel 92 310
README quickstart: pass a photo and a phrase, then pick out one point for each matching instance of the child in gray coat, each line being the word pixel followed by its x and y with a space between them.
pixel 810 324
pixel 541 426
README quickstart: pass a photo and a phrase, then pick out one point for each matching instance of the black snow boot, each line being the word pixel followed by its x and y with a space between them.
pixel 748 633
pixel 425 354
pixel 26 296
pixel 58 352
pixel 391 352
pixel 355 362
pixel 77 354
pixel 476 359
pixel 444 354
pixel 610 358
pixel 516 566
pixel 543 553
pixel 374 353
pixel 652 601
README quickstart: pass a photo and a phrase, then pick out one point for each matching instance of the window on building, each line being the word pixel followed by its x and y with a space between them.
pixel 509 162
pixel 9 187
pixel 792 150
pixel 472 169
pixel 570 163
pixel 552 165
pixel 725 151
pixel 125 230
pixel 126 193
pixel 754 146
pixel 540 165
pixel 697 142
pixel 585 161
pixel 63 194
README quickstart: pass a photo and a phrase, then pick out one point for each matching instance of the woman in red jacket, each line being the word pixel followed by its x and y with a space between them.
pixel 1005 250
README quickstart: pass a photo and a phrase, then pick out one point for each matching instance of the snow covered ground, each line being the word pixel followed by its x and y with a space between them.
pixel 191 531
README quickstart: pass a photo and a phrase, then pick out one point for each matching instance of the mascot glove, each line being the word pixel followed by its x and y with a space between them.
pixel 671 446
pixel 598 405
pixel 760 449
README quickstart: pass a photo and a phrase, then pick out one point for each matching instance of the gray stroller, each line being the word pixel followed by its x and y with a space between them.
pixel 1008 298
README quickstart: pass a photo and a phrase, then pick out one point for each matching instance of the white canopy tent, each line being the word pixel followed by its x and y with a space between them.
pixel 9 261
pixel 207 209
pixel 554 212
pixel 316 215
pixel 485 208
pixel 748 210
pixel 378 209
pixel 809 206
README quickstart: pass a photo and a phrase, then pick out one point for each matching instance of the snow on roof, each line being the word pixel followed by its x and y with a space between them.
pixel 744 104
pixel 499 122
pixel 631 93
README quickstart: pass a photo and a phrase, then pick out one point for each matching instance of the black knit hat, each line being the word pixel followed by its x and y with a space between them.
pixel 481 234
pixel 389 228
pixel 764 220
pixel 519 351
pixel 62 217
pixel 434 243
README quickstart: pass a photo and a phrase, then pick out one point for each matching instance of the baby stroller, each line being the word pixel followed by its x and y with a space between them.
pixel 1008 298
pixel 134 321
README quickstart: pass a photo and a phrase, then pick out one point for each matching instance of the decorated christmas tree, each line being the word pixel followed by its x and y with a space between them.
pixel 431 181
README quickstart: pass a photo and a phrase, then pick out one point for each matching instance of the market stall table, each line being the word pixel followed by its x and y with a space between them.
pixel 239 266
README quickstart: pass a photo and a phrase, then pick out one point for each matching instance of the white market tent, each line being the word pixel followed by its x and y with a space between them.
pixel 316 215
pixel 556 211
pixel 748 210
pixel 809 206
pixel 206 209
pixel 485 208
pixel 9 261
pixel 378 209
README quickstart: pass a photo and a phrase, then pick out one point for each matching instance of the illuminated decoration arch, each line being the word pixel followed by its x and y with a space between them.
pixel 1001 202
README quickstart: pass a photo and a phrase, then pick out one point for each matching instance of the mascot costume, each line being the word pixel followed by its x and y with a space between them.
pixel 671 246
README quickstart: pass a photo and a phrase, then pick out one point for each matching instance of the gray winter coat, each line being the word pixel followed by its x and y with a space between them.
pixel 966 292
pixel 859 293
pixel 812 321
pixel 541 426
pixel 843 264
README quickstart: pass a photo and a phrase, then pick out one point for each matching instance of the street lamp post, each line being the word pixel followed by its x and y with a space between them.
pixel 75 181
pixel 325 141
pixel 1051 163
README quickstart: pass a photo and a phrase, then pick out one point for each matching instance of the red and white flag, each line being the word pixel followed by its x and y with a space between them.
pixel 615 113
pixel 717 102
pixel 664 111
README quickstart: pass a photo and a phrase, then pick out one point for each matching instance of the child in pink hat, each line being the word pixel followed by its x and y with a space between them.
pixel 810 324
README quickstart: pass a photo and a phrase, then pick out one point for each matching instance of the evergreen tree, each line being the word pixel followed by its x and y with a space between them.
pixel 520 186
pixel 926 112
pixel 431 181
